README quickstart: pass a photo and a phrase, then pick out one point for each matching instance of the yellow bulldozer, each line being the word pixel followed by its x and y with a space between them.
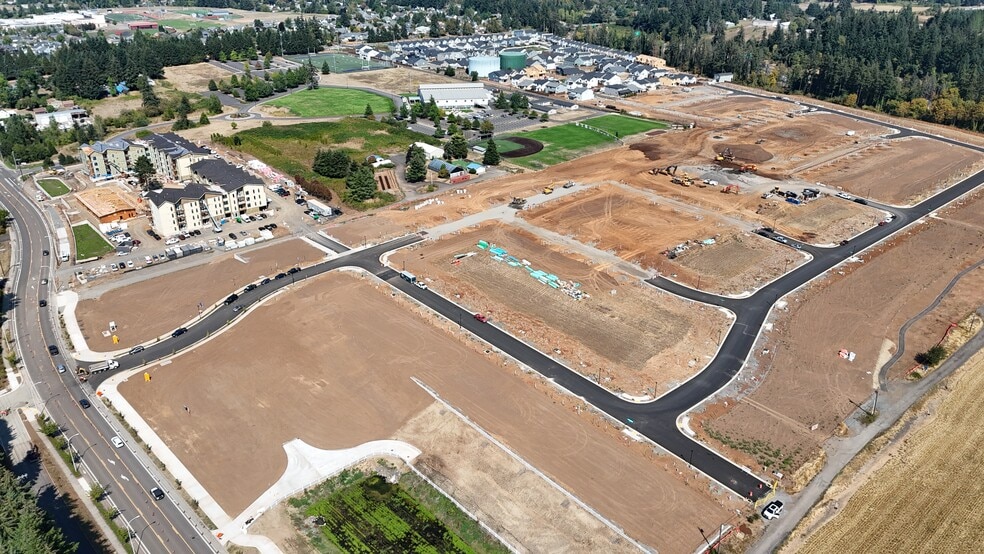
pixel 726 156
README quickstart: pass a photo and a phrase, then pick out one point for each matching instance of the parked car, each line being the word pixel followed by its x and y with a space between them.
pixel 280 276
pixel 148 260
pixel 249 287
pixel 861 201
pixel 481 318
pixel 272 226
pixel 232 236
pixel 243 234
pixel 53 350
pixel 84 403
pixel 293 270
pixel 231 298
pixel 178 332
pixel 844 195
pixel 773 510
pixel 137 349
pixel 265 281
pixel 172 240
pixel 129 264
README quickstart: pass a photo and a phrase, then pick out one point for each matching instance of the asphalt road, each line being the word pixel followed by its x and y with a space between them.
pixel 126 474
pixel 657 419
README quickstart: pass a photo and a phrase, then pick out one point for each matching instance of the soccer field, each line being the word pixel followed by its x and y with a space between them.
pixel 338 63
pixel 621 126
pixel 330 102
pixel 560 144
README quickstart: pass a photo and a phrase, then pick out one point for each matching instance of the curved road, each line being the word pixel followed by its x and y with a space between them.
pixel 127 474
pixel 658 419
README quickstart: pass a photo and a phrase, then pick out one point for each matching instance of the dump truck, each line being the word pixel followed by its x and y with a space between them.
pixel 747 167
pixel 103 366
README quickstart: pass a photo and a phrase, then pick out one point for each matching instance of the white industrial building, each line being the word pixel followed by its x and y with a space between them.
pixel 223 191
pixel 455 95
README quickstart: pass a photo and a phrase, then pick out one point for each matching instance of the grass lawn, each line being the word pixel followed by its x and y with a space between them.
pixel 560 144
pixel 328 102
pixel 184 24
pixel 503 145
pixel 622 126
pixel 89 243
pixel 291 148
pixel 338 63
pixel 368 514
pixel 54 187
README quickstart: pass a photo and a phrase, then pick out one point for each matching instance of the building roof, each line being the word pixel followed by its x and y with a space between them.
pixel 456 91
pixel 103 146
pixel 173 145
pixel 174 195
pixel 437 165
pixel 223 174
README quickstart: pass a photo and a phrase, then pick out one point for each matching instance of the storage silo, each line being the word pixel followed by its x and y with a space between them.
pixel 509 61
pixel 483 65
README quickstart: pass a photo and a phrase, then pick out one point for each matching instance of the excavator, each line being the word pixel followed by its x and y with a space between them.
pixel 668 170
pixel 726 156
pixel 731 189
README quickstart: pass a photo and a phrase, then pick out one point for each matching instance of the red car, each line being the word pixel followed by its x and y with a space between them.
pixel 481 318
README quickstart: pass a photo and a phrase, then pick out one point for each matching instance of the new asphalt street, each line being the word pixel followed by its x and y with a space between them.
pixel 658 419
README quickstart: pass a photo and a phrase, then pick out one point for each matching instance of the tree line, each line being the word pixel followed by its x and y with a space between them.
pixel 24 526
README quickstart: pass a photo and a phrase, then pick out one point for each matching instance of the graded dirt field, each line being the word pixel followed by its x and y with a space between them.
pixel 797 380
pixel 150 308
pixel 928 495
pixel 627 334
pixel 640 228
pixel 195 77
pixel 395 80
pixel 115 105
pixel 354 385
pixel 899 172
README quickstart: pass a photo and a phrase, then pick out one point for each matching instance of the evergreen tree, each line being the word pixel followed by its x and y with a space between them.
pixel 325 68
pixel 203 120
pixel 212 86
pixel 368 113
pixel 486 128
pixel 143 168
pixel 456 148
pixel 332 163
pixel 416 164
pixel 360 185
pixel 491 156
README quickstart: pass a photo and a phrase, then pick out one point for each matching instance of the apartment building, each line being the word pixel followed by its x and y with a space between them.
pixel 220 191
pixel 111 158
pixel 170 154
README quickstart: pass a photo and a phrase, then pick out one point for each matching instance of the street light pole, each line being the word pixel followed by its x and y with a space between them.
pixel 129 528
pixel 74 465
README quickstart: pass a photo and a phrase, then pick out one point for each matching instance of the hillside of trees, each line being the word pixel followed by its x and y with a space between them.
pixel 24 527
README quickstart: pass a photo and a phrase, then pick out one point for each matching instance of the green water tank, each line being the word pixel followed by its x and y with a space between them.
pixel 509 61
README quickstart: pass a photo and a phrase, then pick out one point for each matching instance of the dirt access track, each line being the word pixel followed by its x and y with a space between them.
pixel 640 227
pixel 899 172
pixel 796 378
pixel 152 307
pixel 628 336
pixel 354 385
pixel 896 507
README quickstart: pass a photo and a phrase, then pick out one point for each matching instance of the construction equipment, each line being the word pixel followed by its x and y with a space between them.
pixel 547 190
pixel 726 156
pixel 518 203
pixel 745 168
pixel 668 170
pixel 731 189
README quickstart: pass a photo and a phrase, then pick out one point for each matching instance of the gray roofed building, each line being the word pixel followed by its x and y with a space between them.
pixel 455 95
pixel 223 174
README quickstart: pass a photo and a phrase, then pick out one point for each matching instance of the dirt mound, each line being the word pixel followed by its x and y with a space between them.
pixel 530 147
pixel 745 152
pixel 649 150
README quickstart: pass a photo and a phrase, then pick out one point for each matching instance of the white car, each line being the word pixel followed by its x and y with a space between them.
pixel 172 240
pixel 148 259
pixel 129 264
pixel 844 195
pixel 117 442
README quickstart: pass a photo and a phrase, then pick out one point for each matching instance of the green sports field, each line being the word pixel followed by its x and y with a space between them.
pixel 330 102
pixel 505 145
pixel 338 63
pixel 560 144
pixel 620 125
pixel 185 25
pixel 89 243
pixel 54 187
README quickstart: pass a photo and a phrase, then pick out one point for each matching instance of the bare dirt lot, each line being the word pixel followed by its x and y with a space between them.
pixel 898 172
pixel 395 80
pixel 797 379
pixel 152 307
pixel 641 229
pixel 362 379
pixel 897 508
pixel 633 340
pixel 112 107
pixel 195 77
